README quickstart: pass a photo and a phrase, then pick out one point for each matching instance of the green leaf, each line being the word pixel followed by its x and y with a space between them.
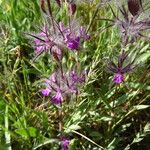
pixel 32 132
pixel 147 127
pixel 139 107
pixel 143 57
pixel 45 142
pixel 72 127
pixel 124 98
pixel 138 86
pixel 106 118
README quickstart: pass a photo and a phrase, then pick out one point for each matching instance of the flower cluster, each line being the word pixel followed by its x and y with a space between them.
pixel 63 38
pixel 59 85
pixel 131 25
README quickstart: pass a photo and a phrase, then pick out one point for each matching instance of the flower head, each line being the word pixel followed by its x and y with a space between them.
pixel 45 92
pixel 42 41
pixel 57 99
pixel 58 85
pixel 119 69
pixel 132 21
pixel 65 143
pixel 73 34
pixel 118 78
pixel 73 43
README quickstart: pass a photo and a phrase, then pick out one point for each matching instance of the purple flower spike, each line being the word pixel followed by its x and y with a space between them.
pixel 118 78
pixel 65 144
pixel 57 99
pixel 45 92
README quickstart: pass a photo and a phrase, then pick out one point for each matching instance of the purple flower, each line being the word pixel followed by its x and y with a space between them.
pixel 119 69
pixel 65 143
pixel 73 34
pixel 83 33
pixel 45 92
pixel 77 78
pixel 74 76
pixel 42 41
pixel 118 78
pixel 131 25
pixel 47 41
pixel 73 42
pixel 61 85
pixel 57 99
pixel 63 37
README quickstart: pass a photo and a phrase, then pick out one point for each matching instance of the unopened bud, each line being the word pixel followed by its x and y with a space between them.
pixel 58 2
pixel 134 6
pixel 57 53
pixel 42 3
pixel 72 8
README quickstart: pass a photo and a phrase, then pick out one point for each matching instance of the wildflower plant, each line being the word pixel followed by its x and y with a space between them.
pixel 61 97
pixel 64 39
pixel 58 38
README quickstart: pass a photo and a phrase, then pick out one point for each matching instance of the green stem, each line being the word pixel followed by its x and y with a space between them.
pixel 50 13
pixel 7 134
pixel 94 15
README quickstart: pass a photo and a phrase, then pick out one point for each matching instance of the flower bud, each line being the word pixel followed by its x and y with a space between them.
pixel 42 4
pixel 134 6
pixel 72 8
pixel 57 53
pixel 58 2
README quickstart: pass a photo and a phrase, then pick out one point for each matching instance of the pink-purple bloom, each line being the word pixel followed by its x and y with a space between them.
pixel 77 78
pixel 63 37
pixel 65 144
pixel 73 34
pixel 42 41
pixel 118 78
pixel 45 92
pixel 57 99
pixel 73 43
pixel 119 69
pixel 59 85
